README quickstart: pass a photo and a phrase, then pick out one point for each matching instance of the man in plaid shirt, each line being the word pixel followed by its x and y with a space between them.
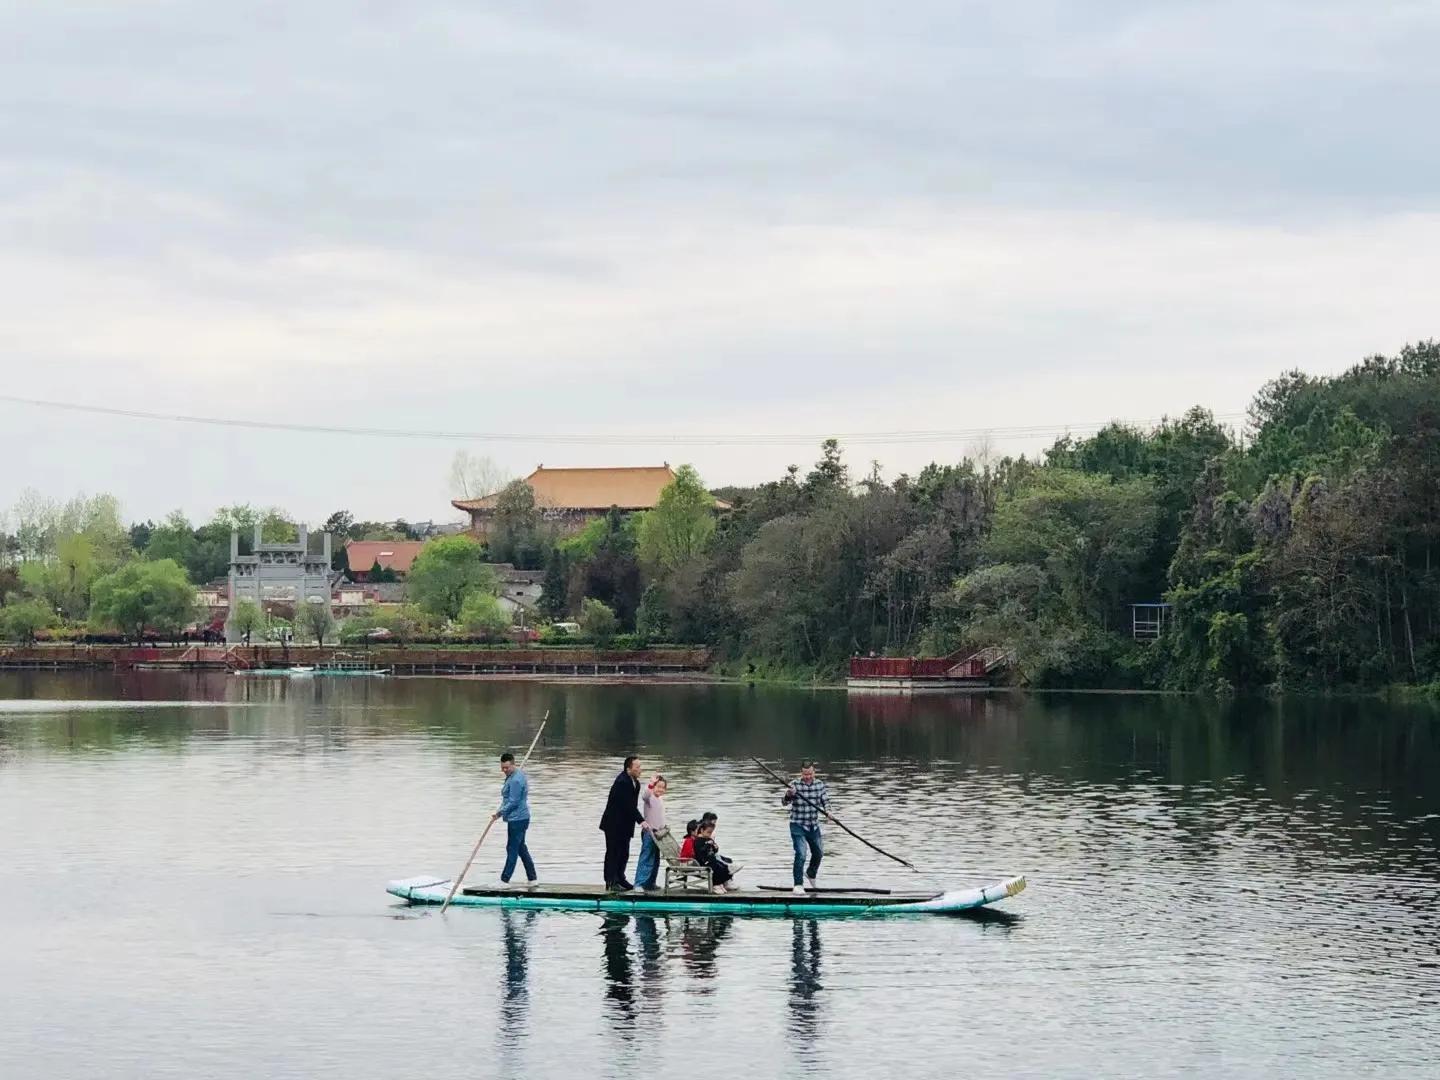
pixel 806 797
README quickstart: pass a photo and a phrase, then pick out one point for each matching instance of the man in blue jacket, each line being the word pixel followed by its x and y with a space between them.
pixel 515 810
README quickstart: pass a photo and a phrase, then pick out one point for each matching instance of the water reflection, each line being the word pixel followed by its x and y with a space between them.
pixel 694 939
pixel 518 929
pixel 1288 848
pixel 619 975
pixel 652 961
pixel 987 917
pixel 700 938
pixel 805 986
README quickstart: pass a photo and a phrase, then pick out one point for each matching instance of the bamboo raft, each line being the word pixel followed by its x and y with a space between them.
pixel 428 889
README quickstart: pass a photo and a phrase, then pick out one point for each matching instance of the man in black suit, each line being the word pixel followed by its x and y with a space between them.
pixel 622 813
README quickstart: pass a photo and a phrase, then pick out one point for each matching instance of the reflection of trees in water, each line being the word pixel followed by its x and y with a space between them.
pixel 805 987
pixel 1307 759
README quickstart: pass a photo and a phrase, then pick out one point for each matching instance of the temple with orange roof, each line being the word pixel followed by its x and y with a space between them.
pixel 572 498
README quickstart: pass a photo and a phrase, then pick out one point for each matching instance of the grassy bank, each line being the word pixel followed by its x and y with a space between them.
pixel 760 670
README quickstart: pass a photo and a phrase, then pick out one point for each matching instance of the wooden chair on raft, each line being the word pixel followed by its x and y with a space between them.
pixel 681 870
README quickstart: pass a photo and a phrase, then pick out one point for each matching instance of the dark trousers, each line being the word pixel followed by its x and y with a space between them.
pixel 515 849
pixel 617 855
pixel 806 837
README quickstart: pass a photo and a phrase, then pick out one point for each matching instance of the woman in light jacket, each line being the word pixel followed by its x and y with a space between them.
pixel 652 807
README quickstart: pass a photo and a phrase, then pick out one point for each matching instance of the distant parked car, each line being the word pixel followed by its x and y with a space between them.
pixel 566 627
pixel 380 633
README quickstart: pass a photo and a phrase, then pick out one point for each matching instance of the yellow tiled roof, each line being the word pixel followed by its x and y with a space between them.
pixel 591 489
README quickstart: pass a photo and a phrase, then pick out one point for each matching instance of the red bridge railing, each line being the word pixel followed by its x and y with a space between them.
pixel 917 667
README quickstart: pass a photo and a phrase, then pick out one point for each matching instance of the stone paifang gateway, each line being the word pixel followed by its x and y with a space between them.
pixel 572 498
pixel 278 574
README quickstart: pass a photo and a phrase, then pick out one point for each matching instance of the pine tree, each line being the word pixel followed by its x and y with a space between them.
pixel 553 600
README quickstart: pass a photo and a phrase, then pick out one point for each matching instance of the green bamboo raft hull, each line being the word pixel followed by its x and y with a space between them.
pixel 428 889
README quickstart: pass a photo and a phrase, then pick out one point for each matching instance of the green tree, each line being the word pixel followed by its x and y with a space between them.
pixel 516 535
pixel 97 518
pixel 652 619
pixel 141 595
pixel 382 574
pixel 482 614
pixel 173 538
pixel 1090 533
pixel 140 534
pixel 10 584
pixel 830 475
pixel 21 621
pixel 315 620
pixel 247 618
pixel 598 621
pixel 781 591
pixel 63 582
pixel 76 567
pixel 339 525
pixel 612 572
pixel 445 572
pixel 405 622
pixel 210 558
pixel 36 519
pixel 681 525
pixel 275 524
pixel 554 593
pixel 375 530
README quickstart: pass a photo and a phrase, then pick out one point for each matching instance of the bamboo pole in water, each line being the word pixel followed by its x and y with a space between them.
pixel 476 849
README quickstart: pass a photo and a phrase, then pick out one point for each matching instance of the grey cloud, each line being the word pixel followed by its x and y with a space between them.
pixel 446 125
pixel 876 214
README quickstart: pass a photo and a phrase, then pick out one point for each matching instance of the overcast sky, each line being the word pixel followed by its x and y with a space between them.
pixel 641 219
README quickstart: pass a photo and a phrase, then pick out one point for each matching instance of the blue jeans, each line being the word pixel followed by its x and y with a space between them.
pixel 648 869
pixel 515 849
pixel 806 837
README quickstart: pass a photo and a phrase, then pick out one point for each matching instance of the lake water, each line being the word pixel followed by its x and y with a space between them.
pixel 192 878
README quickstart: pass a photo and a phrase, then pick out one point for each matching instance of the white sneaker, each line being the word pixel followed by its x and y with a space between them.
pixel 799 890
pixel 810 881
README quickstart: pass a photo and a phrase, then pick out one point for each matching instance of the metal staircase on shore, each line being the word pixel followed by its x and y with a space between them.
pixel 995 657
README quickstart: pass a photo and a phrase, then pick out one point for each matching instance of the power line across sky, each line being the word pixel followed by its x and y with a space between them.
pixel 852 438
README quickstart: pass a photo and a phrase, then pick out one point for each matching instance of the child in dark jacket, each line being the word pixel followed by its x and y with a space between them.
pixel 707 853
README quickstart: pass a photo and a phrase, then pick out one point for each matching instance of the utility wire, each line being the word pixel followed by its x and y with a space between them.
pixel 853 438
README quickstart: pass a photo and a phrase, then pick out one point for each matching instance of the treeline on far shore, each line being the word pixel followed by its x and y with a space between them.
pixel 1295 554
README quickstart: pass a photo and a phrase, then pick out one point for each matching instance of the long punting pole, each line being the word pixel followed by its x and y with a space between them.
pixel 476 849
pixel 832 818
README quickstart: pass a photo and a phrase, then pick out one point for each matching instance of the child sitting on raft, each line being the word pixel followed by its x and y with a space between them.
pixel 687 846
pixel 707 853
